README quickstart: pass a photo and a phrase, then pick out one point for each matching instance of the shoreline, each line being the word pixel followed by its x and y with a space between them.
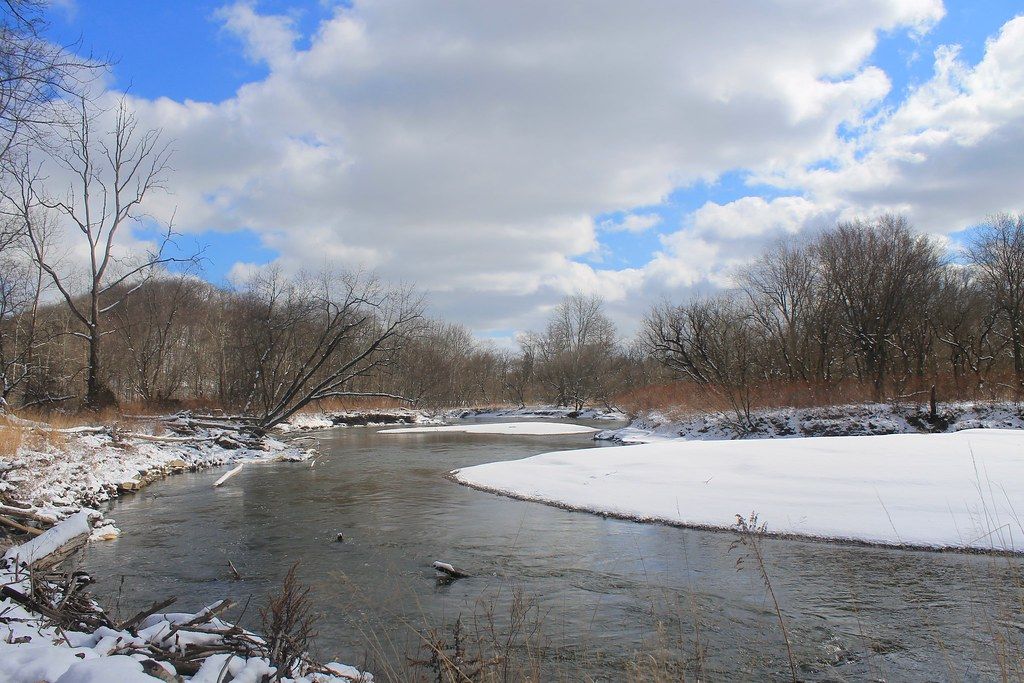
pixel 773 535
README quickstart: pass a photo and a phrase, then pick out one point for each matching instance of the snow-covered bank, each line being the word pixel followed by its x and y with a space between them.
pixel 60 472
pixel 844 420
pixel 51 632
pixel 313 421
pixel 959 490
pixel 513 428
pixel 534 412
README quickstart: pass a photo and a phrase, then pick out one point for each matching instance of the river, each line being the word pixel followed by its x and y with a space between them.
pixel 597 596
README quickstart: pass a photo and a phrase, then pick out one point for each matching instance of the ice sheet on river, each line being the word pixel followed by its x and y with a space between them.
pixel 963 490
pixel 526 428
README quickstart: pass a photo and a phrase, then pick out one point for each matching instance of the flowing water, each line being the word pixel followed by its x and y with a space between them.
pixel 608 595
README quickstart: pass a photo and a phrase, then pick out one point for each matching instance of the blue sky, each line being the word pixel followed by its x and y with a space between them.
pixel 183 51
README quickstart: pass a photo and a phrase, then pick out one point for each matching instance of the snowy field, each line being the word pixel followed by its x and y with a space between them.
pixel 514 428
pixel 959 490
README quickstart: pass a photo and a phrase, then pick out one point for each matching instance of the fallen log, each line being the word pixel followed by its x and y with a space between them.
pixel 206 615
pixel 167 439
pixel 55 545
pixel 228 475
pixel 234 572
pixel 26 513
pixel 7 521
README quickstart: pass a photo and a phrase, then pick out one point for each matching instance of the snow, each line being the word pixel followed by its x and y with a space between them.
pixel 117 668
pixel 315 421
pixel 957 490
pixel 552 412
pixel 521 428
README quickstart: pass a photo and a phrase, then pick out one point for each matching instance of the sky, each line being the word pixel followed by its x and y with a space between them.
pixel 500 156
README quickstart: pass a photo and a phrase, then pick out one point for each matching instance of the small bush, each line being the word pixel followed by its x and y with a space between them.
pixel 289 624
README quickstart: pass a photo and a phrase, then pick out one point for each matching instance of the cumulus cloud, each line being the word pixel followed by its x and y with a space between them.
pixel 754 216
pixel 269 39
pixel 946 156
pixel 468 147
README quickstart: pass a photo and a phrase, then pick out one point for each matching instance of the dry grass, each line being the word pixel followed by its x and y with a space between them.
pixel 676 400
pixel 11 438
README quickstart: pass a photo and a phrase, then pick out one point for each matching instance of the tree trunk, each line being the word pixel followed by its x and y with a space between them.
pixel 92 388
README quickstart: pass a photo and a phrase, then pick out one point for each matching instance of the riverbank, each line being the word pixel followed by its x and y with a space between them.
pixel 534 412
pixel 862 419
pixel 317 420
pixel 54 473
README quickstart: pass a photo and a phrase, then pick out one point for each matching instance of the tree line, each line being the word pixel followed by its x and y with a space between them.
pixel 871 302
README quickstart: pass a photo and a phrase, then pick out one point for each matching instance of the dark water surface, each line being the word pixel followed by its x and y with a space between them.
pixel 605 589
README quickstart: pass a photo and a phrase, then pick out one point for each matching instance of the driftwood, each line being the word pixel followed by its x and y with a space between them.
pixel 228 475
pixel 205 616
pixel 26 513
pixel 134 621
pixel 451 571
pixel 7 521
pixel 234 572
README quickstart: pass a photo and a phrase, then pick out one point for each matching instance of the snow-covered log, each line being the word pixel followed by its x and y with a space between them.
pixel 55 545
pixel 228 475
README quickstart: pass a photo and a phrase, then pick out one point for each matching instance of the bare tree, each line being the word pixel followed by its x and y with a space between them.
pixel 965 323
pixel 153 341
pixel 576 354
pixel 711 342
pixel 518 372
pixel 312 338
pixel 782 289
pixel 34 72
pixel 997 251
pixel 111 174
pixel 878 274
pixel 15 331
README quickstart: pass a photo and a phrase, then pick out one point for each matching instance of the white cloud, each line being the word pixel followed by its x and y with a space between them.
pixel 754 216
pixel 467 147
pixel 634 223
pixel 269 39
pixel 946 156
